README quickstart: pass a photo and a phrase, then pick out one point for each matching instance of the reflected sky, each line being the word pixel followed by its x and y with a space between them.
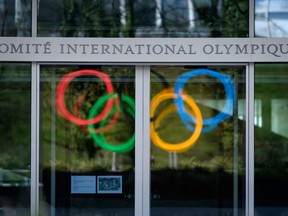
pixel 271 18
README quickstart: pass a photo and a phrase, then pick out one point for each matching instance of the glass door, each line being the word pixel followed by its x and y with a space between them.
pixel 144 140
pixel 197 131
pixel 87 138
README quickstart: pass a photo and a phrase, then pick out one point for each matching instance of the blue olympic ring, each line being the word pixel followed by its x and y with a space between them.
pixel 210 123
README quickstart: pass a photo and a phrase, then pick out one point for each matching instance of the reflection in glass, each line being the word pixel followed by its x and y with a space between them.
pixel 271 18
pixel 205 175
pixel 143 18
pixel 87 140
pixel 15 138
pixel 15 16
pixel 271 143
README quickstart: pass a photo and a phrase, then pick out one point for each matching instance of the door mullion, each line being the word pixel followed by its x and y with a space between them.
pixel 139 140
pixel 250 142
pixel 34 140
pixel 142 141
pixel 146 141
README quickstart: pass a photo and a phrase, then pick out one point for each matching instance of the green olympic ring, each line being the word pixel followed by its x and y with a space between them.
pixel 99 138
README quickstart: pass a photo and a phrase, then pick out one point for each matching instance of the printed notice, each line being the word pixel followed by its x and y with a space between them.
pixel 109 184
pixel 83 184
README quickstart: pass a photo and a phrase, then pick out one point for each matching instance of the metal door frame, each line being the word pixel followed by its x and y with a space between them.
pixel 142 137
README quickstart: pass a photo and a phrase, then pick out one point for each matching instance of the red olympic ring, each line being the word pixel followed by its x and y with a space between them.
pixel 60 94
pixel 76 109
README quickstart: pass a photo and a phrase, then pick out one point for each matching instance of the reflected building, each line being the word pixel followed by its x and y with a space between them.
pixel 120 18
pixel 271 18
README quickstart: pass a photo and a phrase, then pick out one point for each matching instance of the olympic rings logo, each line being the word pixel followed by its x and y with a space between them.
pixel 110 102
pixel 192 118
pixel 211 123
pixel 187 117
pixel 180 147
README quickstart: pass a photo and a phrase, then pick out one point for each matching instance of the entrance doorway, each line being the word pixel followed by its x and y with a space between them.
pixel 142 140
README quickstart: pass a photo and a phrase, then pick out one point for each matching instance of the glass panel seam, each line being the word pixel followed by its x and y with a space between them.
pixel 34 139
pixel 138 140
pixel 251 18
pixel 250 142
pixel 34 18
pixel 146 142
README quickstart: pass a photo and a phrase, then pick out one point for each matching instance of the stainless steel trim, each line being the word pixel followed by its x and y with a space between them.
pixel 34 8
pixel 138 140
pixel 34 140
pixel 250 141
pixel 146 141
pixel 251 18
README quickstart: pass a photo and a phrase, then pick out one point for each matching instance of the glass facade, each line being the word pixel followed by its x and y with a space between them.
pixel 198 164
pixel 93 125
pixel 143 18
pixel 15 18
pixel 271 140
pixel 87 140
pixel 15 130
pixel 271 18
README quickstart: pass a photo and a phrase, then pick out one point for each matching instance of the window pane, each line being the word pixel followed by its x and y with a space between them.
pixel 271 18
pixel 271 140
pixel 87 168
pixel 143 18
pixel 15 18
pixel 198 168
pixel 15 130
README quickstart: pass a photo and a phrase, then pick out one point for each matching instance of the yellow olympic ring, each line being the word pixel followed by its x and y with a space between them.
pixel 179 147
